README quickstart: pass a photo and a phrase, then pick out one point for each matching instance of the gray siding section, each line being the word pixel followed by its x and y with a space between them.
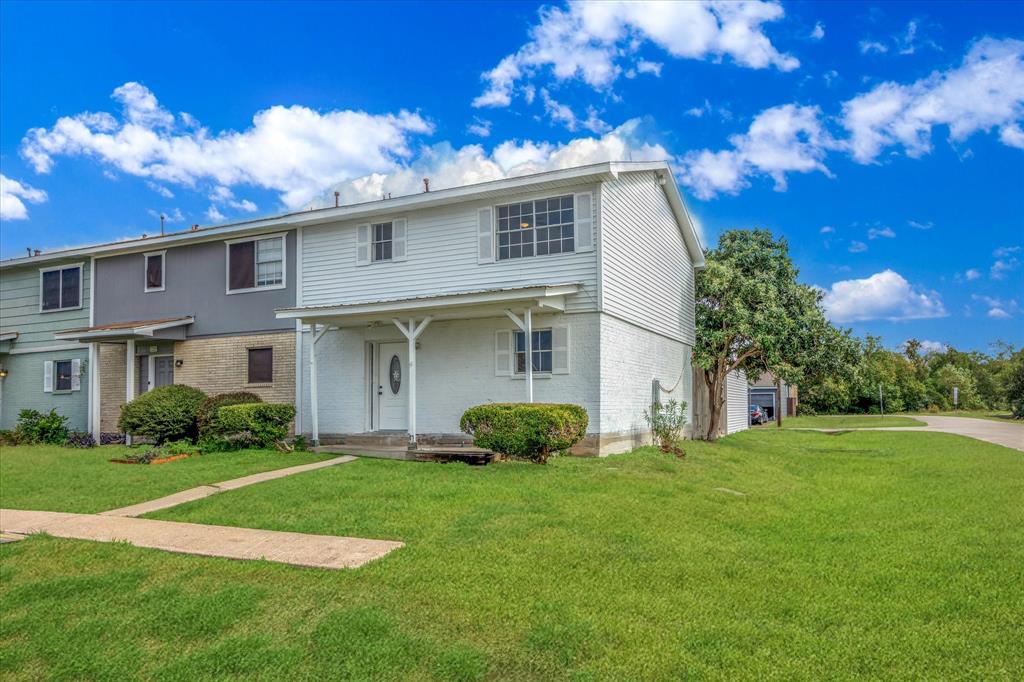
pixel 194 284
pixel 19 306
pixel 23 388
pixel 647 274
pixel 442 258
pixel 737 410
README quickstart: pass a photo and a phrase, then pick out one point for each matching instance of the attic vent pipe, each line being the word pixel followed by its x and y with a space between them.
pixel 337 199
pixel 426 184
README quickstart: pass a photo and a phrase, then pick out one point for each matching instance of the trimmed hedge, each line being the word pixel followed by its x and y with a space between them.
pixel 263 424
pixel 531 431
pixel 164 413
pixel 207 415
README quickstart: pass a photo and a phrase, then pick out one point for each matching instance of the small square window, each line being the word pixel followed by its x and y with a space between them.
pixel 383 244
pixel 261 365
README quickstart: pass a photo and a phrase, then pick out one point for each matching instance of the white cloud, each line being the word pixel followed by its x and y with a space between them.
pixel 591 41
pixel 857 247
pixel 918 225
pixel 884 295
pixel 998 308
pixel 224 196
pixel 933 346
pixel 780 140
pixel 173 216
pixel 818 32
pixel 479 127
pixel 214 215
pixel 868 46
pixel 14 194
pixel 972 274
pixel 1005 263
pixel 885 231
pixel 450 167
pixel 1004 251
pixel 827 229
pixel 160 189
pixel 653 68
pixel 1012 136
pixel 911 40
pixel 294 150
pixel 986 91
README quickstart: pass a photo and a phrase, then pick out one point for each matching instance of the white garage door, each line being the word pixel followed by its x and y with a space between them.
pixel 737 412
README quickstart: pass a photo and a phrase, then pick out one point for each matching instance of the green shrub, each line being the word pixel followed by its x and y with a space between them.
pixel 79 439
pixel 34 427
pixel 208 410
pixel 667 423
pixel 805 410
pixel 163 414
pixel 531 431
pixel 264 424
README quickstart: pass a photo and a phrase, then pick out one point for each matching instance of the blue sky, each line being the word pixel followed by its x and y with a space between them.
pixel 885 141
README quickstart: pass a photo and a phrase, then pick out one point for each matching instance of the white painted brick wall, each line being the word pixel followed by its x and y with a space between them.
pixel 630 359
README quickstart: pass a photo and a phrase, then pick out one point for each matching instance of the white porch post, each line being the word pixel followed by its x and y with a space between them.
pixel 129 378
pixel 94 391
pixel 314 412
pixel 411 333
pixel 526 326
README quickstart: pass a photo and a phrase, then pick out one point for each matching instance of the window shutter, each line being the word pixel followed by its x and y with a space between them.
pixel 585 221
pixel 485 236
pixel 48 376
pixel 76 375
pixel 363 245
pixel 559 350
pixel 503 353
pixel 398 239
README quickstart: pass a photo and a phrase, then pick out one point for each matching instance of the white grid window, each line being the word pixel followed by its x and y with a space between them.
pixel 536 228
pixel 541 351
pixel 383 233
pixel 269 261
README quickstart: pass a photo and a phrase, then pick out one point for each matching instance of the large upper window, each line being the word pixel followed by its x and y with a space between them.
pixel 383 234
pixel 541 351
pixel 155 271
pixel 61 288
pixel 256 264
pixel 536 228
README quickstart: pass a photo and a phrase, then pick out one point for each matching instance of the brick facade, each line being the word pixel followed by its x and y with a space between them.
pixel 213 365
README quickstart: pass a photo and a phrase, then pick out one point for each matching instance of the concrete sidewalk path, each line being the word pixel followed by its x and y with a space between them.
pixel 1006 434
pixel 298 549
pixel 202 491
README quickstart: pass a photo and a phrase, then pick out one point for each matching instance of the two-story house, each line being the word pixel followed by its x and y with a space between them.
pixel 193 308
pixel 40 295
pixel 574 286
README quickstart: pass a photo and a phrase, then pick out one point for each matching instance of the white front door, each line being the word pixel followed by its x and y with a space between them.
pixel 392 387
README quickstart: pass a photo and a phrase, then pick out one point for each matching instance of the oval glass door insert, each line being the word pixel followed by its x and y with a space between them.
pixel 395 374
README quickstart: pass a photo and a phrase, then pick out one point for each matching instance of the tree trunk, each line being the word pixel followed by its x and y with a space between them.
pixel 715 383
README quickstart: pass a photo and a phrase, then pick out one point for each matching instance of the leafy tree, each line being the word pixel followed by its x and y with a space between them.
pixel 752 314
pixel 1013 383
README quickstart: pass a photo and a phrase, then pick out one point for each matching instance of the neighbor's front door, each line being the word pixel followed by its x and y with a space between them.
pixel 392 387
pixel 163 370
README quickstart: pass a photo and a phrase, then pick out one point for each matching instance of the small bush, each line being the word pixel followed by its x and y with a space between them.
pixel 34 427
pixel 805 410
pixel 207 415
pixel 80 439
pixel 7 437
pixel 180 447
pixel 531 431
pixel 163 414
pixel 667 423
pixel 263 424
pixel 111 438
pixel 299 443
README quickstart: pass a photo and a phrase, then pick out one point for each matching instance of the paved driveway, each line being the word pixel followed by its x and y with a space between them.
pixel 1006 433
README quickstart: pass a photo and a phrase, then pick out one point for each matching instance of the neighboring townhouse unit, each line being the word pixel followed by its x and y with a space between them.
pixel 37 298
pixel 568 286
pixel 193 308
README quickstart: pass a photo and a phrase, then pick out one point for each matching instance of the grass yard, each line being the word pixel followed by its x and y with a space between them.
pixel 771 554
pixel 64 479
pixel 847 421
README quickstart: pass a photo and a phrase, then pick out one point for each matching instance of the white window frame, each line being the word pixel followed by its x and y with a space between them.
pixel 71 377
pixel 145 271
pixel 374 242
pixel 267 287
pixel 550 351
pixel 497 233
pixel 81 286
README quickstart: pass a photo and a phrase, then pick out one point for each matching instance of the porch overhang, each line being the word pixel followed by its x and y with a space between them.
pixel 7 339
pixel 450 306
pixel 168 328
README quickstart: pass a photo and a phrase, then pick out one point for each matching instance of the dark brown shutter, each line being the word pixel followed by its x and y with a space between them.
pixel 261 365
pixel 242 265
pixel 155 272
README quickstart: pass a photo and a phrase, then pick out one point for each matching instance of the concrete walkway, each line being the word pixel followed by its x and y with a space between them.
pixel 202 491
pixel 1006 434
pixel 298 549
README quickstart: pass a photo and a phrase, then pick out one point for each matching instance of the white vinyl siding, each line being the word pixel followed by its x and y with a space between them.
pixel 444 249
pixel 647 274
pixel 737 412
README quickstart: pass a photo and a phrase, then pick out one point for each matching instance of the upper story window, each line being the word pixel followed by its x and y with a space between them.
pixel 536 228
pixel 154 271
pixel 541 351
pixel 60 288
pixel 255 264
pixel 383 234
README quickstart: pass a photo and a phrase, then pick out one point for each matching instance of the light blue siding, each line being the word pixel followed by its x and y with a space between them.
pixel 19 306
pixel 23 388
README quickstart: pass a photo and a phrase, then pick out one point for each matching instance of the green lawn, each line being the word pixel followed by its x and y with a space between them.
pixel 861 555
pixel 847 421
pixel 64 479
